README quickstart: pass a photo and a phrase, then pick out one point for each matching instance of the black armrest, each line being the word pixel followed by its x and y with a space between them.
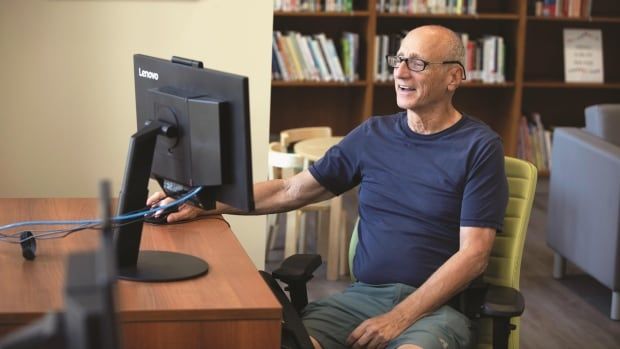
pixel 295 271
pixel 502 301
pixel 297 267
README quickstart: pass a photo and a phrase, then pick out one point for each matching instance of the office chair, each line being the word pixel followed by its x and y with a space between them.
pixel 493 300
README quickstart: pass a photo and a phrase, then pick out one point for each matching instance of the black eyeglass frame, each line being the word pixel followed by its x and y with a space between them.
pixel 426 63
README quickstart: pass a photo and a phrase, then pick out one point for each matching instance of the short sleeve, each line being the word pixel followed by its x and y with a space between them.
pixel 339 170
pixel 485 194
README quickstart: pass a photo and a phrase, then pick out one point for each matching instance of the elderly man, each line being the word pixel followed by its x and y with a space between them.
pixel 432 195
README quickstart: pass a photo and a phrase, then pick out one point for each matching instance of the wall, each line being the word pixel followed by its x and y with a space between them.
pixel 66 93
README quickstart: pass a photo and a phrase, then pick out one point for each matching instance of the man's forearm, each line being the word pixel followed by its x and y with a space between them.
pixel 452 277
pixel 269 197
pixel 281 195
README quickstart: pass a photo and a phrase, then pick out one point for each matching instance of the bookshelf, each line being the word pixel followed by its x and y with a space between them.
pixel 544 89
pixel 534 67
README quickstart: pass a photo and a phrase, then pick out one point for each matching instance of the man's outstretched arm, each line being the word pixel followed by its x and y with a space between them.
pixel 273 196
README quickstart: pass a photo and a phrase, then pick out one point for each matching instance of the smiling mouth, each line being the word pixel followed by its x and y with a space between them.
pixel 405 88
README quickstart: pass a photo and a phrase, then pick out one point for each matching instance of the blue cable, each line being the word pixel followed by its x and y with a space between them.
pixel 117 219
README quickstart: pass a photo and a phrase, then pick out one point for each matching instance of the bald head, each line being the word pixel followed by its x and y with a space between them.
pixel 441 42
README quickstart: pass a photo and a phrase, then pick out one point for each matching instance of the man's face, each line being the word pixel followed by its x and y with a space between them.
pixel 417 90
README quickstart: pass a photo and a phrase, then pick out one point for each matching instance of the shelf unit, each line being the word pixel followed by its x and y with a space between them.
pixel 534 68
pixel 544 90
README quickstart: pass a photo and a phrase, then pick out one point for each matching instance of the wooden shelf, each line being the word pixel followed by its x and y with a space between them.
pixel 570 85
pixel 280 83
pixel 595 19
pixel 481 16
pixel 322 14
pixel 534 63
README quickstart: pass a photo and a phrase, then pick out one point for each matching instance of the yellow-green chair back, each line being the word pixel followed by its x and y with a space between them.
pixel 504 267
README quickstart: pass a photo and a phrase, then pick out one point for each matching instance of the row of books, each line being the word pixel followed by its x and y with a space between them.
pixel 297 57
pixel 485 58
pixel 313 5
pixel 564 8
pixel 534 142
pixel 457 7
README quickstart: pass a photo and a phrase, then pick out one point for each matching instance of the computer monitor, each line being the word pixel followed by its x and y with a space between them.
pixel 193 131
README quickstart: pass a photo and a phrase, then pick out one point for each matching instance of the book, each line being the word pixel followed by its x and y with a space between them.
pixel 283 73
pixel 286 56
pixel 311 68
pixel 293 50
pixel 539 133
pixel 320 59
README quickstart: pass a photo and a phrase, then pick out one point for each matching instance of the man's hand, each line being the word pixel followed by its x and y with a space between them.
pixel 186 211
pixel 378 331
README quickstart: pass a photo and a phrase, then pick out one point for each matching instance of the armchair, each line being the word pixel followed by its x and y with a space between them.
pixel 584 199
pixel 495 296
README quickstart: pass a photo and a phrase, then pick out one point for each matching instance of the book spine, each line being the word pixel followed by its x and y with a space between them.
pixel 470 68
pixel 295 56
pixel 384 68
pixel 548 147
pixel 318 55
pixel 286 56
pixel 345 44
pixel 473 7
pixel 327 54
pixel 333 53
pixel 309 61
pixel 501 60
pixel 525 136
pixel 377 66
pixel 279 60
pixel 539 132
pixel 275 69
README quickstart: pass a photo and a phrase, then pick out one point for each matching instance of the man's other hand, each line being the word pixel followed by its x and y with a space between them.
pixel 376 332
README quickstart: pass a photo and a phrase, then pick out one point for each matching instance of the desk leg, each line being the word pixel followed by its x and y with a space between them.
pixel 335 215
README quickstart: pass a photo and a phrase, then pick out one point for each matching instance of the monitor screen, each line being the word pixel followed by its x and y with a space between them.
pixel 193 130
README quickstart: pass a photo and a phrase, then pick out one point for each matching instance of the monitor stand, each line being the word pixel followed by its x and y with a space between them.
pixel 133 264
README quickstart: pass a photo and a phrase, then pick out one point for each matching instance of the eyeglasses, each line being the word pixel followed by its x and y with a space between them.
pixel 417 64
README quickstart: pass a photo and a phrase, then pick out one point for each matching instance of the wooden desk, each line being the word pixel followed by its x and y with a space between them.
pixel 313 149
pixel 230 307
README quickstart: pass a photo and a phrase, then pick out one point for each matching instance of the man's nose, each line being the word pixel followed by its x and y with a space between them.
pixel 401 70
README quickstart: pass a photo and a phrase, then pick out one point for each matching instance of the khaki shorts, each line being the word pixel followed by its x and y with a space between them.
pixel 332 319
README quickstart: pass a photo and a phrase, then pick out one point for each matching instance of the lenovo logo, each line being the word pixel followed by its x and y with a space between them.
pixel 147 74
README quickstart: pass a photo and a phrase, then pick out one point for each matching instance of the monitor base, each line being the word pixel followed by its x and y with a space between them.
pixel 159 266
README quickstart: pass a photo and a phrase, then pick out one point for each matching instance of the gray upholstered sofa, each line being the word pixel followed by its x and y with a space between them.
pixel 584 199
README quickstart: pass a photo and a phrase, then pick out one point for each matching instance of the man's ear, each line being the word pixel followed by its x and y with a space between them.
pixel 455 76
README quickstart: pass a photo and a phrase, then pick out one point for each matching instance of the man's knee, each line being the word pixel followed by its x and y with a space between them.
pixel 315 343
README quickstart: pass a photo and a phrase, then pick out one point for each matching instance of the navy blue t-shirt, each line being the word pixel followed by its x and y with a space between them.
pixel 415 192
